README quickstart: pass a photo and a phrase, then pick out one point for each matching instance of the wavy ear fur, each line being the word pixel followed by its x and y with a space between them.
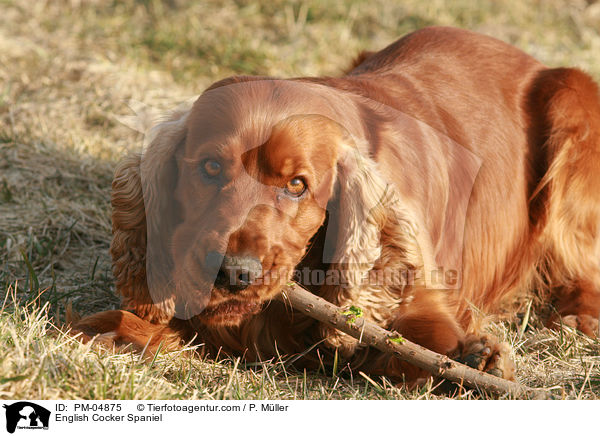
pixel 140 196
pixel 374 231
pixel 128 246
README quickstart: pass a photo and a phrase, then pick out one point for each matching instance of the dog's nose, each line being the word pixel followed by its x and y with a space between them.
pixel 236 273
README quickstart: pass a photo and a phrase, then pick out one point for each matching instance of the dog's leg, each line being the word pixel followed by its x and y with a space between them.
pixel 429 321
pixel 571 192
pixel 577 306
pixel 121 329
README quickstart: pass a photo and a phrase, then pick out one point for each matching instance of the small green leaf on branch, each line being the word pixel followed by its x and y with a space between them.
pixel 352 314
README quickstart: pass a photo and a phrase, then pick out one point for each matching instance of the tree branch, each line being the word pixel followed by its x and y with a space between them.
pixel 386 341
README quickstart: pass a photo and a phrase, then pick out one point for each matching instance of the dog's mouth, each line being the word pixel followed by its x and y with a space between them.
pixel 230 312
pixel 230 306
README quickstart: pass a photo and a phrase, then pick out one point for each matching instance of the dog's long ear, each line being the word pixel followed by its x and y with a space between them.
pixel 369 226
pixel 143 213
pixel 128 246
pixel 366 215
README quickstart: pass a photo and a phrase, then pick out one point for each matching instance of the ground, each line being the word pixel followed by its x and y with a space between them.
pixel 72 72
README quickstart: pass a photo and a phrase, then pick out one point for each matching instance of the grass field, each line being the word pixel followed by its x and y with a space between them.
pixel 70 74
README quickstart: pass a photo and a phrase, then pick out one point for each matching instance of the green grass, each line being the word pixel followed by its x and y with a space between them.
pixel 68 75
pixel 45 362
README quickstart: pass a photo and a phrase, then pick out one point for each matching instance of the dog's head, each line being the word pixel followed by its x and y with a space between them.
pixel 235 188
pixel 252 184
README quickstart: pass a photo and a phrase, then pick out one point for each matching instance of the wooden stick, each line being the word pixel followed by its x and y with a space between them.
pixel 386 341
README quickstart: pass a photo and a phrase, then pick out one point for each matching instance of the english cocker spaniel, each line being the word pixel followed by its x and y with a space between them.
pixel 436 182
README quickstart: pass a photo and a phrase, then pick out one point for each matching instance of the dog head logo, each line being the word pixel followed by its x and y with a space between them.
pixel 26 415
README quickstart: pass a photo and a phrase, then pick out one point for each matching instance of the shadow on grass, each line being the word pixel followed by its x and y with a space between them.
pixel 55 225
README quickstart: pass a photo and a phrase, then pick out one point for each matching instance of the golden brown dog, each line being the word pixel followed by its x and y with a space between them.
pixel 440 178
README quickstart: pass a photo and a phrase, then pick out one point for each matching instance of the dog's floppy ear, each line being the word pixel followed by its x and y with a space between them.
pixel 368 225
pixel 128 246
pixel 364 210
pixel 143 214
pixel 357 213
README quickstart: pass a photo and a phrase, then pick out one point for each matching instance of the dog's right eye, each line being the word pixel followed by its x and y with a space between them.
pixel 211 168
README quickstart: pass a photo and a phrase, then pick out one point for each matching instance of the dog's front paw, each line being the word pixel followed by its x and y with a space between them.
pixel 485 354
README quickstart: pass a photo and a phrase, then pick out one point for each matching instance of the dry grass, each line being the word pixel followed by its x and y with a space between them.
pixel 67 73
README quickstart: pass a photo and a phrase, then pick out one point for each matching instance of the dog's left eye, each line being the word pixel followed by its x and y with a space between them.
pixel 295 187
